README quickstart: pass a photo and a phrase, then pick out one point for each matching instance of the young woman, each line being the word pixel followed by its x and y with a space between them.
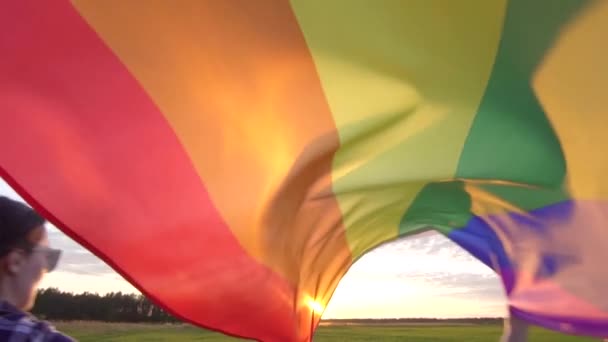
pixel 25 257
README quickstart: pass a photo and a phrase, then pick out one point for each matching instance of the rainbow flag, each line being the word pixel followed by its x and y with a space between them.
pixel 233 158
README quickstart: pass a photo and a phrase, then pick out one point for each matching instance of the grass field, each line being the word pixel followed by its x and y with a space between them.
pixel 119 332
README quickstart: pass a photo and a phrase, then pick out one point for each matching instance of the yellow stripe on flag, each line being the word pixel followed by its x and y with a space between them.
pixel 403 80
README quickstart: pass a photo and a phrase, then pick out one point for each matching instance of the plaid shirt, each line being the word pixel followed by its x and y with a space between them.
pixel 18 326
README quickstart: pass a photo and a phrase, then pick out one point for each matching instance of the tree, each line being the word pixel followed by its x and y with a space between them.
pixel 53 304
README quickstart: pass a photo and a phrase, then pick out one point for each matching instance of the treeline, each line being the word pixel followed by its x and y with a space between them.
pixel 55 305
pixel 52 304
pixel 390 321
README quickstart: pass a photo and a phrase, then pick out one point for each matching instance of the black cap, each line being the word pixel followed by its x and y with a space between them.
pixel 17 220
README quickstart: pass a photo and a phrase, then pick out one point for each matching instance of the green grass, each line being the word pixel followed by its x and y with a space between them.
pixel 119 332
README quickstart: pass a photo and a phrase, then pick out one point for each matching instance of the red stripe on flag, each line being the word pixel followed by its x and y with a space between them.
pixel 82 141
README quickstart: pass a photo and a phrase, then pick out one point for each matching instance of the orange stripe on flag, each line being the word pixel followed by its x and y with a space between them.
pixel 238 84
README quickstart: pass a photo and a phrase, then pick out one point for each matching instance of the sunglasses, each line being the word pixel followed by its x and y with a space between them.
pixel 51 256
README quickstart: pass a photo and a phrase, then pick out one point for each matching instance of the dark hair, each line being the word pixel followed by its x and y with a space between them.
pixel 17 221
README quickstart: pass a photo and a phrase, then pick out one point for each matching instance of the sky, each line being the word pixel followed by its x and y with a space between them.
pixel 421 276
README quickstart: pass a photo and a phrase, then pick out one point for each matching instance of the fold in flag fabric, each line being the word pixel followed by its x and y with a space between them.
pixel 232 159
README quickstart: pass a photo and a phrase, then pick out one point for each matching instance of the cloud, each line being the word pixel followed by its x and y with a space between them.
pixel 421 276
pixel 467 285
pixel 75 258
pixel 426 243
pixel 431 263
pixel 83 263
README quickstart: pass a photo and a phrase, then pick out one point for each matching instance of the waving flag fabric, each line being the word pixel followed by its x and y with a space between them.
pixel 233 158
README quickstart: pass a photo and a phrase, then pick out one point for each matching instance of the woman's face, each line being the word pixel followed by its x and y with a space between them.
pixel 31 267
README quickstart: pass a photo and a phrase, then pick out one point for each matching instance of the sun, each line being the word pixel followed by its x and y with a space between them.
pixel 316 306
